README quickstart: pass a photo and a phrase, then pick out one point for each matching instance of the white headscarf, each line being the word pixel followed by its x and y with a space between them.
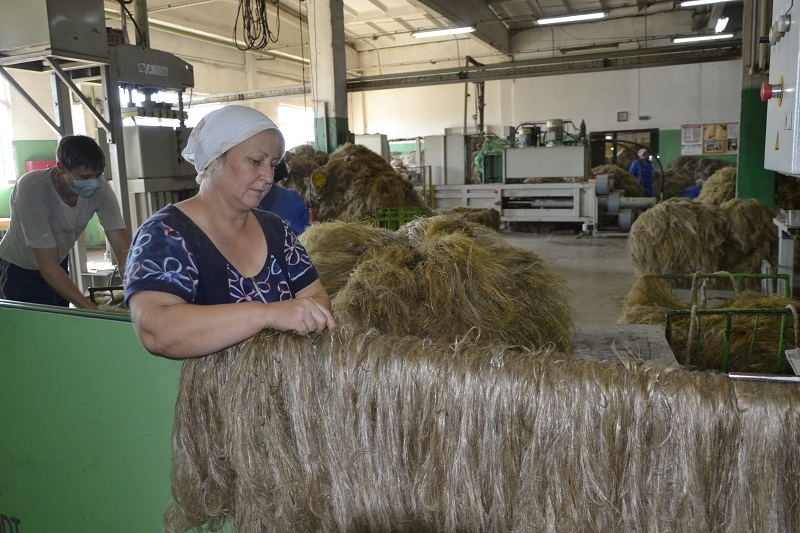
pixel 221 130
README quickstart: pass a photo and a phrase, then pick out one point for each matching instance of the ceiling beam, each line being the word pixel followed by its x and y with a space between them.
pixel 621 60
pixel 473 13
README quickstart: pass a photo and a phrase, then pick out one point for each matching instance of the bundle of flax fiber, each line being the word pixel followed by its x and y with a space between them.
pixel 439 278
pixel 679 236
pixel 367 432
pixel 359 182
pixel 699 340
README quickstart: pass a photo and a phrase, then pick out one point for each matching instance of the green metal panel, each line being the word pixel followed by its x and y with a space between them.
pixel 752 179
pixel 336 134
pixel 86 423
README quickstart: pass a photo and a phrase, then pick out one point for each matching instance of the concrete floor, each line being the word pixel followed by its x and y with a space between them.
pixel 598 270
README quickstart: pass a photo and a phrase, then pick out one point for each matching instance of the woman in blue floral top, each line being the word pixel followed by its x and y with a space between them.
pixel 213 270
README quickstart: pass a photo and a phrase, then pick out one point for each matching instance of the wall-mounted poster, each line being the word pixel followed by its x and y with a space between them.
pixel 709 139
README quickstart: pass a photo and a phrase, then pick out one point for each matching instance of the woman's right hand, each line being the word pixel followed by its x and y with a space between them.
pixel 301 315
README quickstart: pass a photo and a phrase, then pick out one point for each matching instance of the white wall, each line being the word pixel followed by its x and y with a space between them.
pixel 668 96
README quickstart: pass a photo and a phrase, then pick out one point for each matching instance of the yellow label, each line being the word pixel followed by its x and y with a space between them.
pixel 319 179
pixel 777 142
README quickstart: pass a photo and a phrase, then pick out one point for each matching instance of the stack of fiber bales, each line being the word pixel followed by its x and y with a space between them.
pixel 719 187
pixel 373 433
pixel 440 278
pixel 679 236
pixel 485 216
pixel 752 349
pixel 685 171
pixel 301 161
pixel 359 182
pixel 623 180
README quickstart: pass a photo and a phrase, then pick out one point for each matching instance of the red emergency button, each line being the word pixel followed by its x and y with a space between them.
pixel 770 91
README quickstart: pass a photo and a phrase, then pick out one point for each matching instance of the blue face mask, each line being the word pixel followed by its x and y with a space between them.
pixel 86 187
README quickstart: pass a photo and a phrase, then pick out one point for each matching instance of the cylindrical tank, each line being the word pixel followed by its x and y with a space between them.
pixel 555 131
pixel 525 137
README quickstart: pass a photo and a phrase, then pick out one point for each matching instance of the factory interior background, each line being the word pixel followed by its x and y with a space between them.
pixel 669 317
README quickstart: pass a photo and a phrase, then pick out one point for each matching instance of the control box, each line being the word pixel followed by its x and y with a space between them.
pixel 782 147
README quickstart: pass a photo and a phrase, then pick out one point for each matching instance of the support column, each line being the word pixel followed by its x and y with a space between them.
pixel 752 179
pixel 328 76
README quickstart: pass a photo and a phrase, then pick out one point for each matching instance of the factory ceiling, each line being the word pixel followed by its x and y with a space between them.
pixel 509 37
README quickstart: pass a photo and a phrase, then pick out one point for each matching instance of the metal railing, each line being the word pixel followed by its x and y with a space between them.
pixel 696 324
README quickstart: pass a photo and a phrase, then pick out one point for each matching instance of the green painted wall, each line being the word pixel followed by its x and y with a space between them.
pixel 86 423
pixel 32 151
pixel 752 179
pixel 335 135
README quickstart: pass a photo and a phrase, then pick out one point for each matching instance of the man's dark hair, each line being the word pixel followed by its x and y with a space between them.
pixel 80 151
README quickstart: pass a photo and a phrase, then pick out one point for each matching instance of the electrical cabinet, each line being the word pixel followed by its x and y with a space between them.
pixel 782 150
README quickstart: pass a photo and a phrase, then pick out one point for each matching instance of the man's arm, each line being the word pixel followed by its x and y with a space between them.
pixel 56 277
pixel 120 243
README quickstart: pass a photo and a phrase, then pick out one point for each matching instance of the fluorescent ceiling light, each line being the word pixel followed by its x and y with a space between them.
pixel 692 3
pixel 442 32
pixel 722 23
pixel 702 38
pixel 571 18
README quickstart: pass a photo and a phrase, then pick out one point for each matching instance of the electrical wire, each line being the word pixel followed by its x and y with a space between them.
pixel 255 28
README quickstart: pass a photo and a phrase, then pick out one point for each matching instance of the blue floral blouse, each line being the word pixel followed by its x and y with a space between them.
pixel 171 254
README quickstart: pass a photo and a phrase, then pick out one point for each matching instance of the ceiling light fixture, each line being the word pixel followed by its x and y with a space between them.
pixel 571 18
pixel 442 32
pixel 700 38
pixel 692 3
pixel 722 23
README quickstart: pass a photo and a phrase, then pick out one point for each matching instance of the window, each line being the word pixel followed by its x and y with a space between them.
pixel 297 124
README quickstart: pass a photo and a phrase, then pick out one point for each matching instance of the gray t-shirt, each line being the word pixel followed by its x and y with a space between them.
pixel 41 219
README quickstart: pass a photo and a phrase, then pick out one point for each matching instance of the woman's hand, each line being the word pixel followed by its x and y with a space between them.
pixel 302 315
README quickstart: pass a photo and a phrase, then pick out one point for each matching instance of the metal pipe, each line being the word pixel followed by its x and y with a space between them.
pixel 140 15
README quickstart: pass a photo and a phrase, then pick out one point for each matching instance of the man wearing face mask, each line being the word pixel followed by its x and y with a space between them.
pixel 49 211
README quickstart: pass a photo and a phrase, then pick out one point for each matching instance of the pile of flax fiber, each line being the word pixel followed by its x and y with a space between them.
pixel 439 278
pixel 751 348
pixel 359 182
pixel 679 236
pixel 367 432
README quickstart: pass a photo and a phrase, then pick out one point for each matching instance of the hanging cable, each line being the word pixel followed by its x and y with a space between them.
pixel 255 28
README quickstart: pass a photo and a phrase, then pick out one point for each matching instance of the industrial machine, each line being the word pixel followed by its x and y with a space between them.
pixel 69 40
pixel 540 174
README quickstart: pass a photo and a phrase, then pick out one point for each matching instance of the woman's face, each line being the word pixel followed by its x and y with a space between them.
pixel 248 168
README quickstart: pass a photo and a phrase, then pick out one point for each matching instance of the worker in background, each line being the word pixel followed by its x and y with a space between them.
pixel 50 209
pixel 286 203
pixel 642 170
pixel 693 191
pixel 213 270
